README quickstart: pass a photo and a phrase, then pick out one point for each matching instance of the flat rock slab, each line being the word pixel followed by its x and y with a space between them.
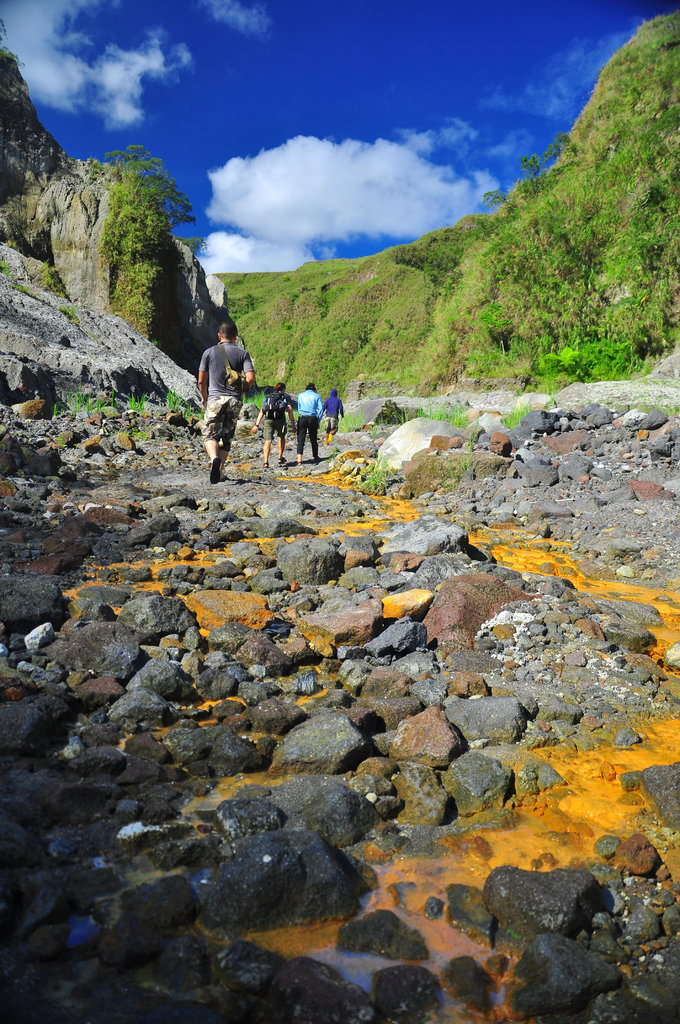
pixel 462 605
pixel 355 626
pixel 214 608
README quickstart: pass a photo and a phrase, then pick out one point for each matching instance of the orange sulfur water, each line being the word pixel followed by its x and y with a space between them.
pixel 556 829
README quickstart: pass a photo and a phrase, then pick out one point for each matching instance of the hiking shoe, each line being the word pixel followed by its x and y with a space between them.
pixel 283 462
pixel 215 471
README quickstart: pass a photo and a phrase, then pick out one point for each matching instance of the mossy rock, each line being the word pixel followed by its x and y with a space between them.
pixel 428 472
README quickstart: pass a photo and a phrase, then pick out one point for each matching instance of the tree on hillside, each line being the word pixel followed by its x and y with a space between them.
pixel 144 205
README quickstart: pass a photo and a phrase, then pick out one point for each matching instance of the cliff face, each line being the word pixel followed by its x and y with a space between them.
pixel 53 209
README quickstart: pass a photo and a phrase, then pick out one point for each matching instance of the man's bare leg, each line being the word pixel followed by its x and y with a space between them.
pixel 266 448
pixel 217 454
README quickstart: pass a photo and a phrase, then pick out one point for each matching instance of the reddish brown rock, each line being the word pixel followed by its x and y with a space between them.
pixel 104 516
pixel 405 562
pixel 591 628
pixel 467 684
pixel 94 693
pixel 392 710
pixel 260 650
pixel 562 444
pixel 637 856
pixel 354 558
pixel 36 409
pixel 645 490
pixel 462 605
pixel 427 738
pixel 441 443
pixel 275 717
pixel 386 682
pixel 500 443
pixel 355 626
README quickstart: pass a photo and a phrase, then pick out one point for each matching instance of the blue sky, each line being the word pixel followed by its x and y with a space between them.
pixel 311 129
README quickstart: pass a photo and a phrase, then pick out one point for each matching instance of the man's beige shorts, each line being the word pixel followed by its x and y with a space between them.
pixel 220 419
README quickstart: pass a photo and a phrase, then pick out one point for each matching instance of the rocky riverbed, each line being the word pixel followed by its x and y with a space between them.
pixel 283 749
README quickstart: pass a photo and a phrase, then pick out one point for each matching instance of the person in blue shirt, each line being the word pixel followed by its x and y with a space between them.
pixel 333 409
pixel 310 411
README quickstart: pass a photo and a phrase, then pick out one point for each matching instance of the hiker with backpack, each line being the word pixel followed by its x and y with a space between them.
pixel 225 372
pixel 273 415
pixel 310 411
pixel 333 409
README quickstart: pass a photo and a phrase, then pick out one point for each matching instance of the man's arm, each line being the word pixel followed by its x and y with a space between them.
pixel 291 417
pixel 203 386
pixel 250 378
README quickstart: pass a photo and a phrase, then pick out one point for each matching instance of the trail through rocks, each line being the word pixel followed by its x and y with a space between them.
pixel 281 749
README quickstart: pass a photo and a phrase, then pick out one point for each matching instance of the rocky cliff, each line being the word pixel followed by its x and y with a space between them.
pixel 53 209
pixel 50 350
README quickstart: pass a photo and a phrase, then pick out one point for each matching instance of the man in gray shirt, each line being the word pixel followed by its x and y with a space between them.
pixel 221 397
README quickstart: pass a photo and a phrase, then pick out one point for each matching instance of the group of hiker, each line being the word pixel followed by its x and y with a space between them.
pixel 226 369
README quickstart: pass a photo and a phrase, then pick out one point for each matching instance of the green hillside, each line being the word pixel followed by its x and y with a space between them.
pixel 575 276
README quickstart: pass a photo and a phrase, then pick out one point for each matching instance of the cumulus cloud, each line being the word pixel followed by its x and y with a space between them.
pixel 62 72
pixel 310 191
pixel 251 21
pixel 560 85
pixel 224 253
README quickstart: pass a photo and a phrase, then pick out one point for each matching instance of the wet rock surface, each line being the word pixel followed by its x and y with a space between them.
pixel 226 709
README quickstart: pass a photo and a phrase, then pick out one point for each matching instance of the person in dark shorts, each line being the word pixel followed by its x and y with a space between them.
pixel 333 409
pixel 310 411
pixel 272 415
pixel 220 375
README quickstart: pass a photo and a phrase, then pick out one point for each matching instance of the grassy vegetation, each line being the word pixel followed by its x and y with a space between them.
pixel 574 277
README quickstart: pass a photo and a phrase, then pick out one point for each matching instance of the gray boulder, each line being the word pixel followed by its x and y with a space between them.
pixel 142 707
pixel 661 788
pixel 29 601
pixel 326 806
pixel 103 648
pixel 499 719
pixel 402 637
pixel 530 902
pixel 24 729
pixel 309 992
pixel 328 744
pixel 278 879
pixel 239 818
pixel 153 616
pixel 477 783
pixel 164 678
pixel 310 561
pixel 382 933
pixel 557 975
pixel 428 535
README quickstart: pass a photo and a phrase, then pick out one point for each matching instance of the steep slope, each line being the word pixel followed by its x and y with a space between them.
pixel 576 276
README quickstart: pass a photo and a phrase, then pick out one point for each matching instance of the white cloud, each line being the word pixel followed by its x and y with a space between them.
pixel 251 21
pixel 224 252
pixel 455 134
pixel 61 73
pixel 562 83
pixel 310 191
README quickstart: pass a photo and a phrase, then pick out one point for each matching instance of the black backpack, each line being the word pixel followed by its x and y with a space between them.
pixel 274 405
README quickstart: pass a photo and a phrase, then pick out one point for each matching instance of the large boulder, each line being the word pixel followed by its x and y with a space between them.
pixel 104 648
pixel 328 743
pixel 310 992
pixel 556 975
pixel 477 782
pixel 530 902
pixel 153 616
pixel 278 879
pixel 310 561
pixel 412 437
pixel 661 788
pixel 499 719
pixel 326 806
pixel 427 535
pixel 28 601
pixel 462 605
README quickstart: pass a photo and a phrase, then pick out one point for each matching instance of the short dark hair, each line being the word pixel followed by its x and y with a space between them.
pixel 310 387
pixel 280 386
pixel 228 329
